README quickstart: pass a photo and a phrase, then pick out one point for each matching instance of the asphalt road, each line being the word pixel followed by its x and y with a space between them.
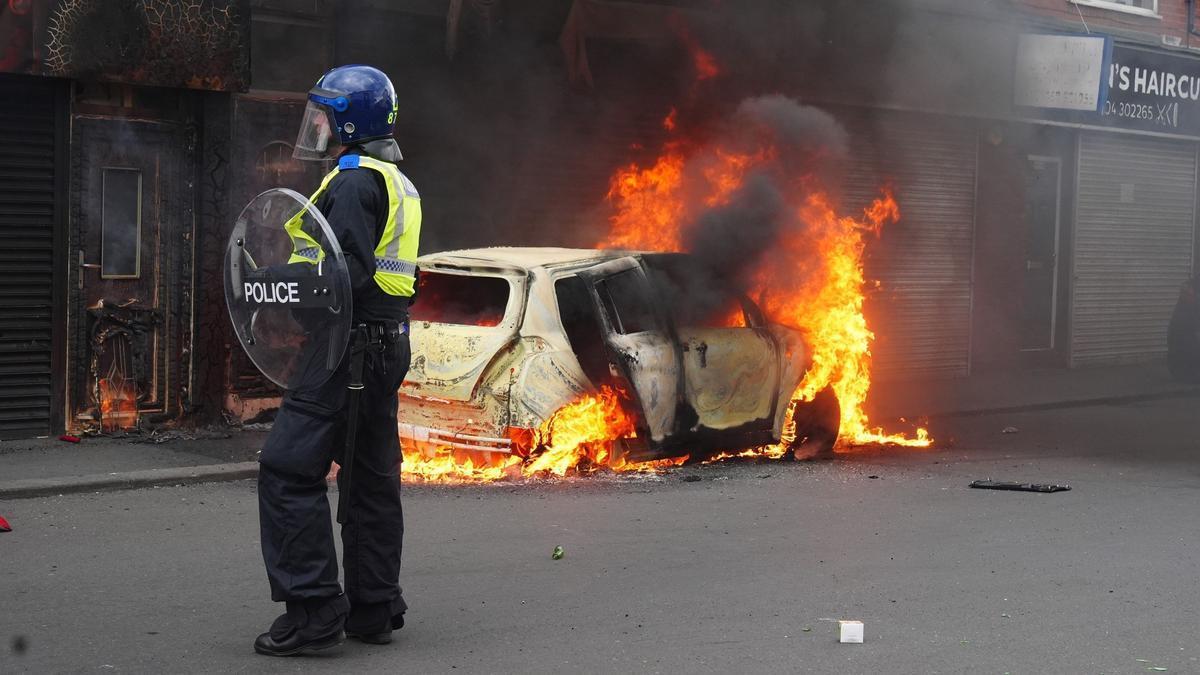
pixel 743 570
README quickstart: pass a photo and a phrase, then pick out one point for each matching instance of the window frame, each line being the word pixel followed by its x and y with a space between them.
pixel 513 308
pixel 610 307
pixel 1114 6
pixel 137 247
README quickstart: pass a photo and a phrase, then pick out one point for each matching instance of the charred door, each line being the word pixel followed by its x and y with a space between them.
pixel 132 225
pixel 638 340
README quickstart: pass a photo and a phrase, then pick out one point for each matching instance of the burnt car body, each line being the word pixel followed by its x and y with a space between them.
pixel 504 337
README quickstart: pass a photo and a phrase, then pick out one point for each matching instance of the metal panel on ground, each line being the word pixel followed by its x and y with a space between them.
pixel 27 223
pixel 921 314
pixel 1134 232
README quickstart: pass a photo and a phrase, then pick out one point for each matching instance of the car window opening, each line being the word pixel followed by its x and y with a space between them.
pixel 461 299
pixel 583 329
pixel 700 301
pixel 625 301
pixel 723 311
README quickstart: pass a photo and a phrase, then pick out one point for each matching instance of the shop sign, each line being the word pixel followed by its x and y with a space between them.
pixel 1064 72
pixel 1147 90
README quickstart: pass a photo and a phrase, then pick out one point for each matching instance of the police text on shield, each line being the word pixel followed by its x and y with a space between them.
pixel 279 292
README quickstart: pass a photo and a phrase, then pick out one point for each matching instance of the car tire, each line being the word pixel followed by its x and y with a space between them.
pixel 817 423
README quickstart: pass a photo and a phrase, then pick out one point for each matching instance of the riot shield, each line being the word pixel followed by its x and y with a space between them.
pixel 288 289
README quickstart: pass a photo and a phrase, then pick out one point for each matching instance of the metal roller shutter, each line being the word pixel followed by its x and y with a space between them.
pixel 922 314
pixel 27 217
pixel 1134 232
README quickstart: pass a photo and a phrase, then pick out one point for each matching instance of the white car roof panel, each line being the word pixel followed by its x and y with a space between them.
pixel 525 258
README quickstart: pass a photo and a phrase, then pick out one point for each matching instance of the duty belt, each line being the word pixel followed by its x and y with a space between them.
pixel 378 331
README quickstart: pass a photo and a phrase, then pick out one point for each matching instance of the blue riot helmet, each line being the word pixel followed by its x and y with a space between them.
pixel 349 105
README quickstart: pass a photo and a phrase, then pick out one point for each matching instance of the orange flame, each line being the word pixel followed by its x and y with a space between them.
pixel 652 207
pixel 118 404
pixel 447 466
pixel 581 438
pixel 705 66
pixel 583 433
pixel 829 308
pixel 646 211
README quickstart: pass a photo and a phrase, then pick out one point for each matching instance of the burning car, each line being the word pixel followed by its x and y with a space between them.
pixel 505 337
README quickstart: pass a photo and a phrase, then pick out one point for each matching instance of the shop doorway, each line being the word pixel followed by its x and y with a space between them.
pixel 1043 206
pixel 132 225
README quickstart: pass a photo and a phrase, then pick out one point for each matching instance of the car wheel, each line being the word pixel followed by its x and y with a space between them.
pixel 817 423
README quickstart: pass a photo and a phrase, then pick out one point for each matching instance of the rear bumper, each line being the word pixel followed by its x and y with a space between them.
pixel 428 441
pixel 432 425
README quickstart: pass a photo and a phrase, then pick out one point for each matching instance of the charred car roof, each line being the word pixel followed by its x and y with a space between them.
pixel 519 259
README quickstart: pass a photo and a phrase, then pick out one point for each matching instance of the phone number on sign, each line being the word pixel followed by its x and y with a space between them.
pixel 1166 114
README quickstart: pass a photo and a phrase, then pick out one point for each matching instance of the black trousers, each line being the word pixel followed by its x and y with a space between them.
pixel 294 513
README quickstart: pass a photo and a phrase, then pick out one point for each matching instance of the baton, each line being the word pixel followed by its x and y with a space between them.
pixel 358 351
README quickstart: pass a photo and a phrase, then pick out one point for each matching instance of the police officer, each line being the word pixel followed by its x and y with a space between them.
pixel 375 212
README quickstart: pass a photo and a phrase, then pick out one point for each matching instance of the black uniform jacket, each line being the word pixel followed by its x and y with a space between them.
pixel 356 205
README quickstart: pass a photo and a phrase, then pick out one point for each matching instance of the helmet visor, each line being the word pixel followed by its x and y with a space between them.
pixel 317 139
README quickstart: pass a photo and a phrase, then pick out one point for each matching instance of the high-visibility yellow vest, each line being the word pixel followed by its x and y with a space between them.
pixel 396 251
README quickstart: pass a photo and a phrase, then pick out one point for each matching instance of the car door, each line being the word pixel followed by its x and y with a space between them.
pixel 731 371
pixel 730 361
pixel 640 345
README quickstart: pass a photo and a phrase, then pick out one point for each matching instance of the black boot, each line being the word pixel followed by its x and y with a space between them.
pixel 372 624
pixel 308 626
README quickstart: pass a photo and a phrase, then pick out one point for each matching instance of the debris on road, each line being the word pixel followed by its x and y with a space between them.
pixel 558 553
pixel 4 526
pixel 1019 487
pixel 851 632
pixel 160 436
pixel 1009 430
pixel 69 438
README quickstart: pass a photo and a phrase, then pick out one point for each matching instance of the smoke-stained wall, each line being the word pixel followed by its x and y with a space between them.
pixel 168 43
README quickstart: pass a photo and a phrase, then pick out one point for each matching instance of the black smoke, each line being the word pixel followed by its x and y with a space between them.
pixel 507 149
pixel 803 148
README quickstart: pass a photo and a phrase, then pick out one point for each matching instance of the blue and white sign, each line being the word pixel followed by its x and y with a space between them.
pixel 1145 89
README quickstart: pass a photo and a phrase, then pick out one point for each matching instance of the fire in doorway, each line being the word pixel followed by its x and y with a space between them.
pixel 120 340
